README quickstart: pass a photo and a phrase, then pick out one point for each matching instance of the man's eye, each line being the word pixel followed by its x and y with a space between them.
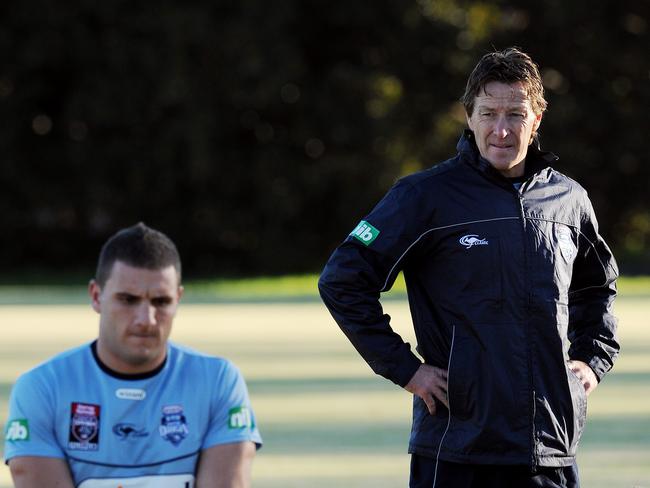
pixel 161 302
pixel 128 299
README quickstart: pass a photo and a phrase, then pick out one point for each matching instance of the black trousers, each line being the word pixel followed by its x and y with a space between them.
pixel 425 472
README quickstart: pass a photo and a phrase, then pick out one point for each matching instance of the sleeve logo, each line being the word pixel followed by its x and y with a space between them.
pixel 239 418
pixel 567 247
pixel 17 430
pixel 365 233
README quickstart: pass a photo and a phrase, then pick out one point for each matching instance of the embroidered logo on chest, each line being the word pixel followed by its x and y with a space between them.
pixel 471 240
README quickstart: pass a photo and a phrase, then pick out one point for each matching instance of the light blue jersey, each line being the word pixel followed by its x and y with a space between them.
pixel 129 430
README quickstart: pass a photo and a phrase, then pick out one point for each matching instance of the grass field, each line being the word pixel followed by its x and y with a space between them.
pixel 326 419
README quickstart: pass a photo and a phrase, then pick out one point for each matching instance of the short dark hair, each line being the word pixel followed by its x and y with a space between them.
pixel 138 246
pixel 508 66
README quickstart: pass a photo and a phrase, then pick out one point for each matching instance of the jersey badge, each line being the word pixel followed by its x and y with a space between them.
pixel 126 430
pixel 130 394
pixel 239 418
pixel 173 425
pixel 365 233
pixel 84 427
pixel 17 430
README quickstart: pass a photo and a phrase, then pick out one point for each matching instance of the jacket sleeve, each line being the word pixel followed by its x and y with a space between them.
pixel 592 325
pixel 363 266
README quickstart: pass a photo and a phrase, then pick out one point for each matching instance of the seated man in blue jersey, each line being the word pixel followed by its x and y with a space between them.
pixel 131 409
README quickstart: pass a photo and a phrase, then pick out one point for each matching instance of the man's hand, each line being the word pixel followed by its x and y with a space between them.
pixel 430 384
pixel 585 374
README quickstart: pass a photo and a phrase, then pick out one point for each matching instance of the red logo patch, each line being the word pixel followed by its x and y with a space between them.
pixel 84 427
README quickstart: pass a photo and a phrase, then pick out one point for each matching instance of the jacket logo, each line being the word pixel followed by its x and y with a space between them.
pixel 365 232
pixel 472 240
pixel 567 248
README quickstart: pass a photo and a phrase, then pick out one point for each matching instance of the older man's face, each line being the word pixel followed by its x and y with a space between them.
pixel 503 123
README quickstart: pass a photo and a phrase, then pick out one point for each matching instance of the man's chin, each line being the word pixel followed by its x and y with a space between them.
pixel 507 166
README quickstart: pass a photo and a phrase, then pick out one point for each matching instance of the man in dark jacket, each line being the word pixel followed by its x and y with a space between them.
pixel 510 288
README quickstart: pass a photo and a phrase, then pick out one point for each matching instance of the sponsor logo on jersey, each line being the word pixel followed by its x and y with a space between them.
pixel 84 427
pixel 567 248
pixel 471 240
pixel 365 233
pixel 130 394
pixel 17 430
pixel 173 425
pixel 126 430
pixel 154 481
pixel 239 418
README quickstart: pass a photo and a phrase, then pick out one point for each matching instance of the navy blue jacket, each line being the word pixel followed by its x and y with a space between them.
pixel 504 285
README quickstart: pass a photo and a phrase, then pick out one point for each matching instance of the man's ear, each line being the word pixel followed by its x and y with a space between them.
pixel 181 290
pixel 94 291
pixel 537 123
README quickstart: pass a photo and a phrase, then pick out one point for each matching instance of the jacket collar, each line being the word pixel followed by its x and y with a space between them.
pixel 536 159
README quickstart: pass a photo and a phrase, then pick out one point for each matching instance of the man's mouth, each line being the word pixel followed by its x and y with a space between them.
pixel 144 336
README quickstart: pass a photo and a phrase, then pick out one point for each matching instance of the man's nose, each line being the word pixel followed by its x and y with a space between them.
pixel 146 314
pixel 501 127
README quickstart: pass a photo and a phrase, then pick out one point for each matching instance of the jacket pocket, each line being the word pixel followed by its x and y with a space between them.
pixel 462 377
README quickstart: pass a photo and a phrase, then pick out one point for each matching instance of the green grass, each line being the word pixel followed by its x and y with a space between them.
pixel 289 289
pixel 326 419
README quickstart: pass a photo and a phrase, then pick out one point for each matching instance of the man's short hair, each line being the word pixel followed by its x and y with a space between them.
pixel 508 66
pixel 138 246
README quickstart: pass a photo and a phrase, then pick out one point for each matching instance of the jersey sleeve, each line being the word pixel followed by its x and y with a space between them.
pixel 232 418
pixel 30 429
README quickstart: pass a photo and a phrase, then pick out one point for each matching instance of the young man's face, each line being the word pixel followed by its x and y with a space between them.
pixel 136 308
pixel 503 123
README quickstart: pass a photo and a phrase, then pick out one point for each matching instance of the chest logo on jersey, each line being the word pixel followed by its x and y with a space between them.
pixel 126 430
pixel 173 424
pixel 567 248
pixel 471 240
pixel 130 394
pixel 84 427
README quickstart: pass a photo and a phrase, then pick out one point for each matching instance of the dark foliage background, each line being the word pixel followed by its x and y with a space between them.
pixel 257 133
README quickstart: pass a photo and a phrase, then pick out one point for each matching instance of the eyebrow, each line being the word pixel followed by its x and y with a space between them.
pixel 513 106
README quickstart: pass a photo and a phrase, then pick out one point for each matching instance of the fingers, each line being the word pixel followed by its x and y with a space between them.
pixel 431 403
pixel 430 384
pixel 585 374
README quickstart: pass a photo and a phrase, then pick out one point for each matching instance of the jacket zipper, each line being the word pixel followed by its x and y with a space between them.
pixel 533 457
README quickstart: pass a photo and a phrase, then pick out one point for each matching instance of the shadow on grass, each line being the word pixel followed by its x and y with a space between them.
pixel 612 431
